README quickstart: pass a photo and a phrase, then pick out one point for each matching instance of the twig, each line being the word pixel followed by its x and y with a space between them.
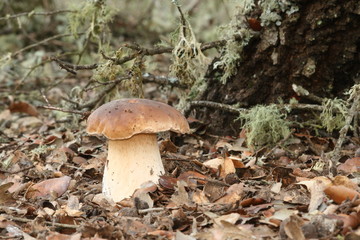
pixel 8 145
pixel 44 97
pixel 156 209
pixel 72 68
pixel 25 220
pixel 98 97
pixel 100 84
pixel 65 110
pixel 232 109
pixel 29 14
pixel 299 90
pixel 221 106
pixel 17 171
pixel 41 42
pixel 335 154
pixel 162 80
pixel 279 144
pixel 211 181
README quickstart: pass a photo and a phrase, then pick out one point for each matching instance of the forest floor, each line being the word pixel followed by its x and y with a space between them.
pixel 215 187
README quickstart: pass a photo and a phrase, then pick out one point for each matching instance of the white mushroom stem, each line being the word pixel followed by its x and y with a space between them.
pixel 130 163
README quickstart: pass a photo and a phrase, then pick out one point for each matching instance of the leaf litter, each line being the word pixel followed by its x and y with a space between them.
pixel 50 187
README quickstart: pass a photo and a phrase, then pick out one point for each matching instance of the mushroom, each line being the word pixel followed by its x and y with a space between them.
pixel 133 153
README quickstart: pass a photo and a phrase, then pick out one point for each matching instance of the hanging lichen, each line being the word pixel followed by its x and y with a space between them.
pixel 189 62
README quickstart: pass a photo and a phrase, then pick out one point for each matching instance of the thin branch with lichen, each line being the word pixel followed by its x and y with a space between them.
pixel 32 13
pixel 355 98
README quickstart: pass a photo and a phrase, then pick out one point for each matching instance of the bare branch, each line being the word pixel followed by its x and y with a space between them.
pixel 41 42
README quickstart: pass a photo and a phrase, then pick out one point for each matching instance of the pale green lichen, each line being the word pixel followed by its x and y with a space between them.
pixel 334 114
pixel 189 62
pixel 238 34
pixel 91 17
pixel 272 10
pixel 265 125
pixel 237 28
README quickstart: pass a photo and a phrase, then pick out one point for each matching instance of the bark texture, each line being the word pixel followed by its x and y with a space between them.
pixel 317 47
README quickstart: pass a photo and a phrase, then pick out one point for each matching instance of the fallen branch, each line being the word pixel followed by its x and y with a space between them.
pixel 335 154
pixel 233 109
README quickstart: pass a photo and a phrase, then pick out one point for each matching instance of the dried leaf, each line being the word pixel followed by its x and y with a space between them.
pixel 230 218
pixel 350 166
pixel 23 107
pixel 316 188
pixel 5 196
pixel 341 193
pixel 292 227
pixel 73 206
pixel 54 187
pixel 181 197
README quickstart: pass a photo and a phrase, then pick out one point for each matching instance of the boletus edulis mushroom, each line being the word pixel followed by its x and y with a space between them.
pixel 133 153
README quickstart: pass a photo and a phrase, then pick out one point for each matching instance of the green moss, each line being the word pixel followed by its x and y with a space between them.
pixel 265 125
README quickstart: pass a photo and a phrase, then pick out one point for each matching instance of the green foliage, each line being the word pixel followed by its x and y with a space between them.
pixel 334 114
pixel 265 125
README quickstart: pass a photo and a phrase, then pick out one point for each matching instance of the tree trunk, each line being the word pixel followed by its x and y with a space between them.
pixel 317 47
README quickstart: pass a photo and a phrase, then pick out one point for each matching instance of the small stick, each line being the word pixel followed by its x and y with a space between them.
pixel 335 154
pixel 211 181
pixel 36 14
pixel 25 220
pixel 156 209
pixel 17 171
pixel 64 110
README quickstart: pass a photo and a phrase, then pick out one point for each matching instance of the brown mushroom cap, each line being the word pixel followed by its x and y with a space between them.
pixel 121 119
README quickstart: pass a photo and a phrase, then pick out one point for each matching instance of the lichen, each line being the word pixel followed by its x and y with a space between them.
pixel 91 17
pixel 265 125
pixel 238 35
pixel 334 114
pixel 231 54
pixel 189 63
pixel 272 10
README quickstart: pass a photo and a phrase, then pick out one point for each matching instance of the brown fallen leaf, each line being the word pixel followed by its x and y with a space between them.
pixel 292 227
pixel 226 231
pixel 350 166
pixel 59 236
pixel 23 107
pixel 226 165
pixel 316 188
pixel 191 178
pixel 340 193
pixel 344 181
pixel 351 221
pixel 5 196
pixel 252 201
pixel 49 188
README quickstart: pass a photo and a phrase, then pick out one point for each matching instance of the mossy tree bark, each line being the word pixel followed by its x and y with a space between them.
pixel 317 47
